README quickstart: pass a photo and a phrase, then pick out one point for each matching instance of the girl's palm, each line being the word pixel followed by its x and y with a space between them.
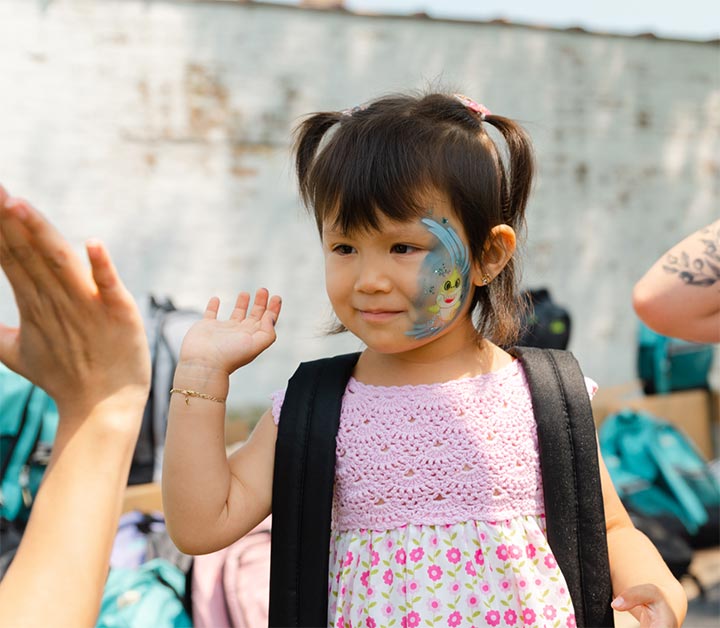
pixel 228 345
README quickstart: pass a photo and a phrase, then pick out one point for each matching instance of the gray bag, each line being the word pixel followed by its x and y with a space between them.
pixel 165 326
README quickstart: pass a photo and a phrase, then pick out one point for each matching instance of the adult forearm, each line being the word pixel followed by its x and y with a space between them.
pixel 81 494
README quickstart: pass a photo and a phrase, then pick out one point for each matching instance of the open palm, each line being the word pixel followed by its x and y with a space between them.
pixel 228 345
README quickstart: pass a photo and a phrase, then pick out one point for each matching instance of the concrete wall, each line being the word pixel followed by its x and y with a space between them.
pixel 164 128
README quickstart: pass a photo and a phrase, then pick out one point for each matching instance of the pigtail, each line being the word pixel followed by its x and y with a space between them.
pixel 308 136
pixel 516 183
pixel 501 307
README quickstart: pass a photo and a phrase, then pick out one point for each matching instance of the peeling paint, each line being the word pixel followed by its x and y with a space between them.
pixel 165 128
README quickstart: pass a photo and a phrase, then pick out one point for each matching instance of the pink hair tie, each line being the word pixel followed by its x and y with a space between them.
pixel 477 108
pixel 353 110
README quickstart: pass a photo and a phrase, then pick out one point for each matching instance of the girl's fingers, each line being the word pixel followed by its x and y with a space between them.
pixel 260 304
pixel 275 305
pixel 647 604
pixel 639 594
pixel 241 305
pixel 270 317
pixel 211 311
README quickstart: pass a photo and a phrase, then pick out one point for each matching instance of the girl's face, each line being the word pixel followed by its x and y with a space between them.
pixel 401 286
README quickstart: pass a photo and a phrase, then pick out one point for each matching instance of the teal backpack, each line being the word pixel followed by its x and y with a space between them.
pixel 666 364
pixel 658 472
pixel 149 596
pixel 28 422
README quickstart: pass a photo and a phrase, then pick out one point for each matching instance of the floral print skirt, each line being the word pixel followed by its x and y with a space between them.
pixel 474 574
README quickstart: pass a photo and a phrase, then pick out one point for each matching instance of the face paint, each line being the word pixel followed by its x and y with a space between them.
pixel 444 282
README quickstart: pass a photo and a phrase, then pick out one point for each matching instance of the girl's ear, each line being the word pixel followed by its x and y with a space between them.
pixel 498 249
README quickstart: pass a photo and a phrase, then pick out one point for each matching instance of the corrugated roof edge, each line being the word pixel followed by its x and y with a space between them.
pixel 424 16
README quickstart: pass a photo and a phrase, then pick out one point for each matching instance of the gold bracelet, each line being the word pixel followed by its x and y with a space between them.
pixel 195 393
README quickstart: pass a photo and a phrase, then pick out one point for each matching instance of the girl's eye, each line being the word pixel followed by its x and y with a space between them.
pixel 457 283
pixel 447 285
pixel 343 249
pixel 402 249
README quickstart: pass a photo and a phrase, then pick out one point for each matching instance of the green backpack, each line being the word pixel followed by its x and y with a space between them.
pixel 28 422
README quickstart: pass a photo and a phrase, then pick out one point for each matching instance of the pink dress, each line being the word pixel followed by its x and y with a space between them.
pixel 438 516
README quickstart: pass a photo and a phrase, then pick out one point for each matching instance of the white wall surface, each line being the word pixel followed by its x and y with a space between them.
pixel 164 129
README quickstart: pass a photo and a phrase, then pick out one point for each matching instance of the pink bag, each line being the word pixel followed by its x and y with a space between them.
pixel 231 587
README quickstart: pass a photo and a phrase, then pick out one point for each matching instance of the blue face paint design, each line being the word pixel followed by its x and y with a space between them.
pixel 444 281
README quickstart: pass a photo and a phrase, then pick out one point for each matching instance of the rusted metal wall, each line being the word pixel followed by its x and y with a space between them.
pixel 164 128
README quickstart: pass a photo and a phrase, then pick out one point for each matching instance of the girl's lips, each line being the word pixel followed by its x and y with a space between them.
pixel 378 316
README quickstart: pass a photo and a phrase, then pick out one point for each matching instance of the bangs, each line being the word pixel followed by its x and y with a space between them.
pixel 390 159
pixel 362 174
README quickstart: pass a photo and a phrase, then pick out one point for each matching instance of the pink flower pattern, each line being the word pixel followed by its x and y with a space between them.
pixel 448 576
pixel 388 576
pixel 528 616
pixel 453 555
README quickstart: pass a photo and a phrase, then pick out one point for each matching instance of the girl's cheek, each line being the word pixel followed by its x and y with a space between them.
pixel 442 283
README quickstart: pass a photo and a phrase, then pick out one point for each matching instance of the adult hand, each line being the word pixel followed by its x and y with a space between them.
pixel 81 335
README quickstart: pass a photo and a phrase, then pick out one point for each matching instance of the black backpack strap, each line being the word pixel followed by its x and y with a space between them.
pixel 303 481
pixel 574 510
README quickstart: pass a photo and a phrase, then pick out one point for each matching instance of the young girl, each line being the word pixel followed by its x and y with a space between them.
pixel 438 514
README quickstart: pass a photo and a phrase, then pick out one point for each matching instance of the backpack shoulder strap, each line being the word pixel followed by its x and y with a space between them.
pixel 574 510
pixel 303 479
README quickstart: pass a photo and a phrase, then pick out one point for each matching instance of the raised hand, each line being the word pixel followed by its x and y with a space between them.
pixel 81 335
pixel 648 605
pixel 225 346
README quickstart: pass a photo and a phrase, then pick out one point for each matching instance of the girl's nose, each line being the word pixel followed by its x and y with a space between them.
pixel 371 278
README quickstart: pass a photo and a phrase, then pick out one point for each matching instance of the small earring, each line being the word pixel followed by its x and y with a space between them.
pixel 486 280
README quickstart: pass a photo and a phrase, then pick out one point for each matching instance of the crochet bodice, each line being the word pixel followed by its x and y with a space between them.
pixel 436 454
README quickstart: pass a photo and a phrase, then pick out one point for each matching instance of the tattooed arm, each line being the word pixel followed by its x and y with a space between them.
pixel 680 295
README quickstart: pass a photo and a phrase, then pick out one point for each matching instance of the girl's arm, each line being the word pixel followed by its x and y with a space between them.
pixel 210 501
pixel 680 295
pixel 641 581
pixel 80 339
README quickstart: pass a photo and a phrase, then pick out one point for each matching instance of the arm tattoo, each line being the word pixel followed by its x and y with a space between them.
pixel 702 271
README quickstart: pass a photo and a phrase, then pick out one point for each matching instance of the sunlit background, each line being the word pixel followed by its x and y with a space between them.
pixel 164 128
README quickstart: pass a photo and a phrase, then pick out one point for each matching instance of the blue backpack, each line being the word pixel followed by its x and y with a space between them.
pixel 149 596
pixel 659 473
pixel 28 422
pixel 666 364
